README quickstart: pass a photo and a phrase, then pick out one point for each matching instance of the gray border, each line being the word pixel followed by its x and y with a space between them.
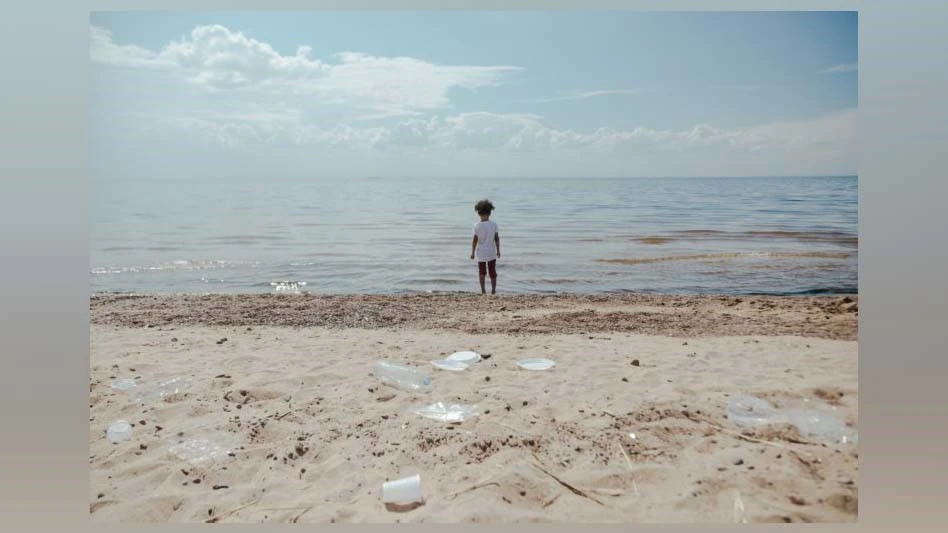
pixel 903 186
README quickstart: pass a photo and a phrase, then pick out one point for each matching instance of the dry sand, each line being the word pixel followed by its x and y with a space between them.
pixel 284 383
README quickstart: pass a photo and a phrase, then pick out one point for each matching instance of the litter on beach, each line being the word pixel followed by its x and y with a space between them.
pixel 197 451
pixel 453 366
pixel 123 384
pixel 467 357
pixel 118 431
pixel 165 389
pixel 749 411
pixel 451 413
pixel 536 364
pixel 403 491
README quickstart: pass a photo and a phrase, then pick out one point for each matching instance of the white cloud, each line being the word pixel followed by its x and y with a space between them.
pixel 300 111
pixel 471 144
pixel 103 50
pixel 220 59
pixel 593 94
pixel 513 133
pixel 838 69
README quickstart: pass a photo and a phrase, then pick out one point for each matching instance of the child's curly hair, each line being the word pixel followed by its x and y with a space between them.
pixel 484 207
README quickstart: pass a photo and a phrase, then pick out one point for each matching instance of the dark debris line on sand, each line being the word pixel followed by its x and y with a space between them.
pixel 672 315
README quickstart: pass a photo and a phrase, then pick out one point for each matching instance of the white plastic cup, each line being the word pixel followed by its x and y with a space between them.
pixel 402 491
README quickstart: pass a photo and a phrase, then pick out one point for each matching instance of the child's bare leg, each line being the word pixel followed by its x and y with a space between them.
pixel 492 271
pixel 482 278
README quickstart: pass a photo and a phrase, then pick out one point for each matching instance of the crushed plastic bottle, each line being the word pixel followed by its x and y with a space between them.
pixel 450 413
pixel 750 411
pixel 165 389
pixel 402 377
pixel 813 423
pixel 197 451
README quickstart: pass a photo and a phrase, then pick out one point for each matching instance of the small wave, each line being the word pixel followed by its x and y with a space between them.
pixel 120 249
pixel 817 291
pixel 160 248
pixel 288 286
pixel 443 281
pixel 560 281
pixel 174 265
pixel 738 255
pixel 827 267
pixel 245 239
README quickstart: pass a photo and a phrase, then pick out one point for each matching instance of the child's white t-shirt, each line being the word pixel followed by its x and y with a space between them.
pixel 485 231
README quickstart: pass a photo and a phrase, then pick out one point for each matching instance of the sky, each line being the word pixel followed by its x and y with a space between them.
pixel 328 94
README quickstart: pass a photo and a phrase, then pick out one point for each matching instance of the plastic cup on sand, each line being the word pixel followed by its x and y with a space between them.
pixel 402 491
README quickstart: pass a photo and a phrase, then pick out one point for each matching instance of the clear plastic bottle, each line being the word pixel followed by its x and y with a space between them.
pixel 165 389
pixel 402 377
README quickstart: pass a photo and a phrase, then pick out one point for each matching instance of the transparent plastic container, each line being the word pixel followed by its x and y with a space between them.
pixel 118 431
pixel 197 451
pixel 403 491
pixel 813 423
pixel 453 413
pixel 165 389
pixel 750 411
pixel 402 377
pixel 125 384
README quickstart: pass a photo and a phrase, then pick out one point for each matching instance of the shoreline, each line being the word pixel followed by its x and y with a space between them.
pixel 829 317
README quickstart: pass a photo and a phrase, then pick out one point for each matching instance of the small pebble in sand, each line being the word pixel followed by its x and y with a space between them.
pixel 635 362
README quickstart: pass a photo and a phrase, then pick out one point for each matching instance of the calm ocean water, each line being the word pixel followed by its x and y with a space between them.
pixel 707 235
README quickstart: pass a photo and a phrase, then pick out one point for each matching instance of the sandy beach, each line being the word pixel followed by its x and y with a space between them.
pixel 629 426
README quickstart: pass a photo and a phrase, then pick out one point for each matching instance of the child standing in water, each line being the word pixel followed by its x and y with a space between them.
pixel 486 245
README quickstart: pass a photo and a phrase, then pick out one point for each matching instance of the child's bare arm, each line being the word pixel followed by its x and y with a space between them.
pixel 473 246
pixel 497 242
